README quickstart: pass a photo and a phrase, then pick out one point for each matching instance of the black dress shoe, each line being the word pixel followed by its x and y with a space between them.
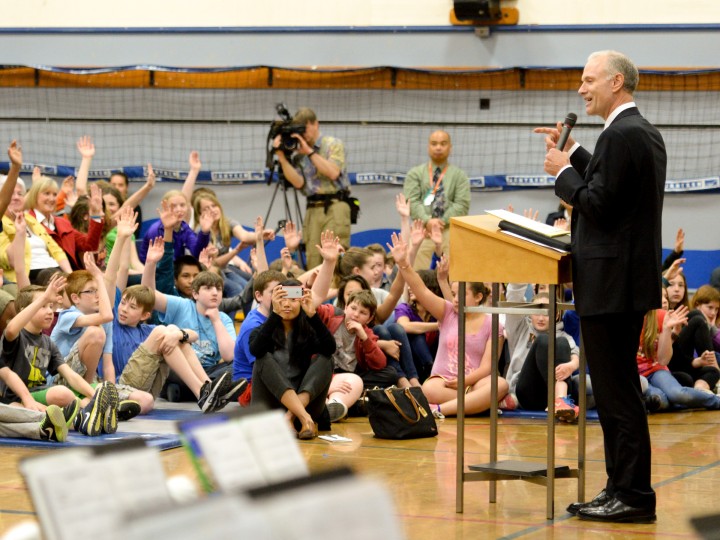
pixel 600 499
pixel 616 511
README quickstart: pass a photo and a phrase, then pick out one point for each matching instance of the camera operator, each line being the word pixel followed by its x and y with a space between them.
pixel 317 167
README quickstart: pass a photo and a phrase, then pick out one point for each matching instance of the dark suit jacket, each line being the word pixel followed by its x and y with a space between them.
pixel 617 197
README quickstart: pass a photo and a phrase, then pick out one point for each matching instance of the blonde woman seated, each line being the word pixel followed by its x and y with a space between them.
pixel 41 251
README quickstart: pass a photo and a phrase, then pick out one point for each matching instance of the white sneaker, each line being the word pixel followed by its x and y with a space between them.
pixel 337 410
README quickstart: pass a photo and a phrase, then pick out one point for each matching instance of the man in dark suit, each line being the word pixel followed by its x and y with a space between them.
pixel 617 199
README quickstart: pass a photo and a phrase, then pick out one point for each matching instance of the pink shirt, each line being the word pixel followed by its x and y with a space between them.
pixel 446 360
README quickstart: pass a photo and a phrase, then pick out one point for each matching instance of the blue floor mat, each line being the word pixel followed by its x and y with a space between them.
pixel 161 441
pixel 517 413
pixel 177 415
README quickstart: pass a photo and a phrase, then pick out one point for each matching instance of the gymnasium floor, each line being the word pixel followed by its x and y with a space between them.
pixel 420 475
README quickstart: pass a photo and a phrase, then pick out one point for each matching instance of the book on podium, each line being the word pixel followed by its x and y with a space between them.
pixel 534 231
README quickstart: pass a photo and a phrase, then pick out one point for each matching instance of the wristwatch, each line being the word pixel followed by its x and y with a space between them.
pixel 185 336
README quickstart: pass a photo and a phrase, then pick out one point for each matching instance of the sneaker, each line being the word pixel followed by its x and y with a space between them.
pixel 508 403
pixel 653 403
pixel 337 410
pixel 53 427
pixel 110 419
pixel 211 391
pixel 89 421
pixel 566 410
pixel 127 409
pixel 234 391
pixel 438 415
pixel 70 412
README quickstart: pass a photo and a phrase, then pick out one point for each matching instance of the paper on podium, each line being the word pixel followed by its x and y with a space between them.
pixel 527 223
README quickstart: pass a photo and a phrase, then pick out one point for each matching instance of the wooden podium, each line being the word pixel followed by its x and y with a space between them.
pixel 479 251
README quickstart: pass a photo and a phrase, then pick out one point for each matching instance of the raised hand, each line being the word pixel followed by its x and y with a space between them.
pixel 562 223
pixel 328 247
pixel 86 147
pixel 55 286
pixel 207 220
pixel 36 174
pixel 207 256
pixel 402 205
pixel 417 233
pixel 292 236
pixel 675 268
pixel 90 266
pixel 253 258
pixel 151 178
pixel 95 202
pixel 443 268
pixel 156 250
pixel 194 161
pixel 436 233
pixel 15 154
pixel 126 224
pixel 676 318
pixel 68 185
pixel 261 233
pixel 167 217
pixel 679 241
pixel 528 213
pixel 287 260
pixel 398 249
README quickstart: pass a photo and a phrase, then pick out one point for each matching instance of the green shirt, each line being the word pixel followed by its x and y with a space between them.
pixel 456 188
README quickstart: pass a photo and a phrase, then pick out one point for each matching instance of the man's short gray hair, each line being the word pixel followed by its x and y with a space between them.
pixel 619 63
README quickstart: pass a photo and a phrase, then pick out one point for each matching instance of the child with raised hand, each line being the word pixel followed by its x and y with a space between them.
pixel 183 237
pixel 29 355
pixel 441 387
pixel 654 354
pixel 144 354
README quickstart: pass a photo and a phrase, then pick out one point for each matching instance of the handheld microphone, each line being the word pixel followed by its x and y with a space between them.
pixel 569 123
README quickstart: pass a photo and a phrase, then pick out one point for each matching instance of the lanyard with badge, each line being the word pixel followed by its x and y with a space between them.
pixel 430 195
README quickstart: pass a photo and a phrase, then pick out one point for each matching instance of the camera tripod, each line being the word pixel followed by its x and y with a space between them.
pixel 283 185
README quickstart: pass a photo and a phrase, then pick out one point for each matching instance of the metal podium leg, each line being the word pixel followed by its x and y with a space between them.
pixel 494 388
pixel 552 314
pixel 460 458
pixel 582 423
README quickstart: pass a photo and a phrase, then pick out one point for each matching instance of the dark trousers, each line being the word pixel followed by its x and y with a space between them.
pixel 611 343
pixel 693 338
pixel 532 382
pixel 270 381
pixel 404 365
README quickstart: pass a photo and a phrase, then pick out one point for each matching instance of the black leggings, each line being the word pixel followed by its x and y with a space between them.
pixel 693 338
pixel 270 382
pixel 532 385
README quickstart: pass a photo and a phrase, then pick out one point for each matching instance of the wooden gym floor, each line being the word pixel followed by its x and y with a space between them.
pixel 421 476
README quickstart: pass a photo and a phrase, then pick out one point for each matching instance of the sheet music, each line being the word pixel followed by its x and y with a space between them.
pixel 137 480
pixel 70 499
pixel 331 510
pixel 528 223
pixel 275 446
pixel 229 456
pixel 216 518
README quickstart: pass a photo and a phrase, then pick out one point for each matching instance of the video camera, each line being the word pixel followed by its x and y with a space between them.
pixel 286 129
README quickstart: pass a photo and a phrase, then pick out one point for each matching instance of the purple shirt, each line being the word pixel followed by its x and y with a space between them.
pixel 183 239
pixel 404 310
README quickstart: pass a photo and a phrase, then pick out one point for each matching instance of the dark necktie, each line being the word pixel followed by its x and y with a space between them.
pixel 436 176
